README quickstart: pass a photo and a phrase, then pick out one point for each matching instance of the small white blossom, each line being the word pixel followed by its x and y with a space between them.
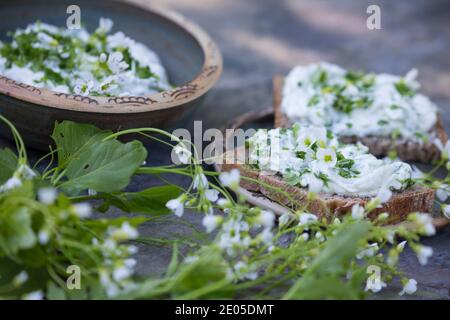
pixel 306 219
pixel 319 236
pixel 409 288
pixel 26 172
pixel 177 205
pixel 230 179
pixel 401 246
pixel 34 295
pixel 384 194
pixel 82 210
pixel 20 279
pixel 446 210
pixel 443 192
pixel 222 202
pixel 125 232
pixel 304 237
pixel 200 182
pixel 211 222
pixel 212 195
pixel 183 154
pixel 425 221
pixel 266 219
pixel 369 251
pixel 358 212
pixel 115 62
pixel 284 219
pixel 43 236
pixel 266 236
pixel 47 195
pixel 445 150
pixel 11 183
pixel 326 158
pixel 190 259
pixel 105 25
pixel 423 254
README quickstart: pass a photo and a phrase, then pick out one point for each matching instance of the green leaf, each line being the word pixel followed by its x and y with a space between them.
pixel 15 231
pixel 8 164
pixel 104 166
pixel 71 138
pixel 330 264
pixel 151 201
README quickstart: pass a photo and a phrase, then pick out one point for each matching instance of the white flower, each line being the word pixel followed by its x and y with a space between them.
pixel 11 183
pixel 105 25
pixel 212 195
pixel 26 172
pixel 34 295
pixel 230 179
pixel 20 279
pixel 124 270
pixel 425 221
pixel 326 157
pixel 82 210
pixel 374 285
pixel 416 173
pixel 401 246
pixel 369 251
pixel 319 236
pixel 266 236
pixel 266 219
pixel 119 40
pixel 183 154
pixel 409 288
pixel 177 205
pixel 190 259
pixel 125 232
pixel 115 62
pixel 211 222
pixel 358 212
pixel 200 182
pixel 304 237
pixel 314 184
pixel 306 219
pixel 43 236
pixel 423 254
pixel 83 87
pixel 243 271
pixel 222 202
pixel 445 150
pixel 443 192
pixel 103 57
pixel 284 219
pixel 446 210
pixel 384 194
pixel 47 195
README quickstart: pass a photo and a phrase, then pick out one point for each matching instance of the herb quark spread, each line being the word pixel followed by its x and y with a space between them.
pixel 309 156
pixel 358 104
pixel 74 61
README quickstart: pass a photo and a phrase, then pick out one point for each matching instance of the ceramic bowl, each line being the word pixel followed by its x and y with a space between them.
pixel 192 60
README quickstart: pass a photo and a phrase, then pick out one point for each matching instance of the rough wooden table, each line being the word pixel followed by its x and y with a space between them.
pixel 260 38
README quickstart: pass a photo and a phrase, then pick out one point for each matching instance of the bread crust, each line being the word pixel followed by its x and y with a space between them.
pixel 414 199
pixel 379 146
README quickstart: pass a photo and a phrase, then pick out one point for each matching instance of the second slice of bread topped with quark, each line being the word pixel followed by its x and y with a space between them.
pixel 383 111
pixel 285 164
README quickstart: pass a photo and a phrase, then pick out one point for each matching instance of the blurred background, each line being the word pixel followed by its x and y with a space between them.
pixel 260 38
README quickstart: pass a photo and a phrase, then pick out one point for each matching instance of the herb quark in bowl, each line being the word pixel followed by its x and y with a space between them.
pixel 128 66
pixel 73 61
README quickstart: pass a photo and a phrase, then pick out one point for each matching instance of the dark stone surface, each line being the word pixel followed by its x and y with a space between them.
pixel 260 38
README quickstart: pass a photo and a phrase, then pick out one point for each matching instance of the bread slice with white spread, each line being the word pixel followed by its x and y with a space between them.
pixel 384 112
pixel 285 164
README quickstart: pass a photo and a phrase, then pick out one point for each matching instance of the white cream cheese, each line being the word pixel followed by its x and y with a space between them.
pixel 350 103
pixel 74 61
pixel 308 156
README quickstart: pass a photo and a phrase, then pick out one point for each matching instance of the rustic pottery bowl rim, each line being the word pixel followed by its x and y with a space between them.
pixel 177 96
